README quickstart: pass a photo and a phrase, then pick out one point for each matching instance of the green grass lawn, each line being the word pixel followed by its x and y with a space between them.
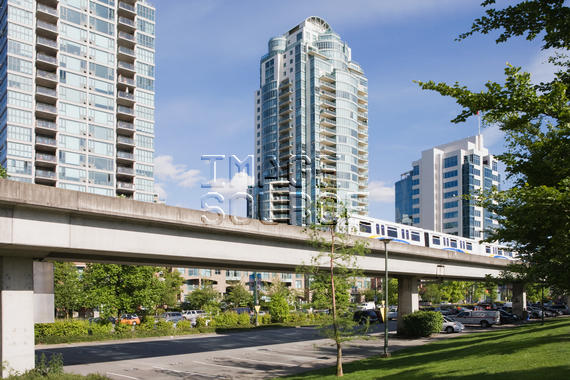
pixel 525 352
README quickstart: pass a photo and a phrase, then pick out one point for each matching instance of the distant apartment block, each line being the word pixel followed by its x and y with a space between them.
pixel 78 95
pixel 433 194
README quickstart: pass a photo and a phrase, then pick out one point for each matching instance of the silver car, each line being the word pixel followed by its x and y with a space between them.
pixel 450 326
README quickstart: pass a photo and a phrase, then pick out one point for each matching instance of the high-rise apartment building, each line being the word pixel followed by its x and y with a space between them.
pixel 433 194
pixel 311 126
pixel 78 94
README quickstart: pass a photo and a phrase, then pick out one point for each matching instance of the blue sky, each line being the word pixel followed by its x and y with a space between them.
pixel 208 69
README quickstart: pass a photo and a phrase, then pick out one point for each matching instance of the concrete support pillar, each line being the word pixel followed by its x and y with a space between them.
pixel 16 314
pixel 519 300
pixel 44 302
pixel 408 298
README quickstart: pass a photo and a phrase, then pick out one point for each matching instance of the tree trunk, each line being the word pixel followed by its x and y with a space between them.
pixel 335 322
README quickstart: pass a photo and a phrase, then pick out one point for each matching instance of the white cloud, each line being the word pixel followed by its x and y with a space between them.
pixel 159 189
pixel 238 183
pixel 540 69
pixel 166 170
pixel 381 193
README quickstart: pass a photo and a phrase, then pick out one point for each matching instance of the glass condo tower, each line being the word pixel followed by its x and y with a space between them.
pixel 78 95
pixel 311 126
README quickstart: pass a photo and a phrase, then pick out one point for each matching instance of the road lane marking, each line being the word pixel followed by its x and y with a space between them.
pixel 188 372
pixel 128 377
pixel 264 361
pixel 224 366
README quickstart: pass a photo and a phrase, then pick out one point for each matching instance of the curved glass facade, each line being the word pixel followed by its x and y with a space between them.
pixel 311 126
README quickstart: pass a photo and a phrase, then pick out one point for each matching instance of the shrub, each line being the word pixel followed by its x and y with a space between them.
pixel 184 325
pixel 122 328
pixel 244 319
pixel 100 328
pixel 226 319
pixel 422 323
pixel 164 326
pixel 61 328
pixel 146 325
pixel 201 322
pixel 265 319
pixel 278 308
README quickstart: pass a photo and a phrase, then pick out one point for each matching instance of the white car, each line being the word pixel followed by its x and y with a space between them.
pixel 392 312
pixel 450 326
pixel 191 315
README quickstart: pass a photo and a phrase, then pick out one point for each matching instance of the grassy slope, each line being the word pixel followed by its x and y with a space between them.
pixel 526 352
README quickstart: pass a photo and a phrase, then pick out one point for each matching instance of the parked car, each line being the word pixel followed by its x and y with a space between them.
pixel 364 316
pixel 172 316
pixel 507 317
pixel 534 313
pixel 193 314
pixel 392 312
pixel 555 312
pixel 450 326
pixel 241 310
pixel 366 306
pixel 484 318
pixel 130 319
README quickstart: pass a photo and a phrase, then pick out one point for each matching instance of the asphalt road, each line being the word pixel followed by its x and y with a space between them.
pixel 254 354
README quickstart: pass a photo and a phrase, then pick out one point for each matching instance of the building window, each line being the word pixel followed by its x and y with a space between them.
pixel 450 161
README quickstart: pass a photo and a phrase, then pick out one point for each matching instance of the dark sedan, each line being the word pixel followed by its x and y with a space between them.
pixel 366 316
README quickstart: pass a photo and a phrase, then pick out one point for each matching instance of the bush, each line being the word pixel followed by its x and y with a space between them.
pixel 244 319
pixel 61 328
pixel 201 322
pixel 226 319
pixel 146 325
pixel 422 324
pixel 265 319
pixel 123 328
pixel 165 327
pixel 278 308
pixel 100 328
pixel 184 325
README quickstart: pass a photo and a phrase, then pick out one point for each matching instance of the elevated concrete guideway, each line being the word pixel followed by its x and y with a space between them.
pixel 48 223
pixel 40 223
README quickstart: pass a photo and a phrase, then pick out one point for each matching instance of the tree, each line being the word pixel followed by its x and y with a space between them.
pixel 279 303
pixel 68 288
pixel 121 288
pixel 3 173
pixel 337 250
pixel 238 296
pixel 534 214
pixel 170 287
pixel 204 298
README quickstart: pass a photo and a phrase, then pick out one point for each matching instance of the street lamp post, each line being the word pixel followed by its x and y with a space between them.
pixel 385 241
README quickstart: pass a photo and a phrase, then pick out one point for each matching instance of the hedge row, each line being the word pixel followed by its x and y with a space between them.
pixel 422 324
pixel 65 331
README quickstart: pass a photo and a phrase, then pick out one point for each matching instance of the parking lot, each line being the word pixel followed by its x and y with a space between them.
pixel 254 354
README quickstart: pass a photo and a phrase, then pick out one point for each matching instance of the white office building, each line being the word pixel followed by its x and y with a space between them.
pixel 78 95
pixel 433 194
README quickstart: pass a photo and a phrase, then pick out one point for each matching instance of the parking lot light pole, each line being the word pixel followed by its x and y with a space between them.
pixel 386 354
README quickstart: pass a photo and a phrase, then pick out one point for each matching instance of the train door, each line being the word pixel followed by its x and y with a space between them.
pixel 426 239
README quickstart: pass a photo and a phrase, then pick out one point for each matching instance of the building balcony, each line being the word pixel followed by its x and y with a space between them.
pixel 326 168
pixel 327 95
pixel 46 126
pixel 45 177
pixel 328 103
pixel 328 122
pixel 124 52
pixel 46 143
pixel 125 112
pixel 46 95
pixel 285 111
pixel 285 137
pixel 328 140
pixel 125 98
pixel 46 160
pixel 125 171
pixel 328 150
pixel 46 45
pixel 126 80
pixel 328 131
pixel 125 127
pixel 123 156
pixel 46 78
pixel 126 67
pixel 45 12
pixel 125 186
pixel 328 86
pixel 125 141
pixel 126 24
pixel 46 29
pixel 46 62
pixel 328 113
pixel 126 9
pixel 285 120
pixel 126 38
pixel 46 111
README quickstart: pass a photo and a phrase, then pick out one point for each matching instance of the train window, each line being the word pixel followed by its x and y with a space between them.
pixel 407 234
pixel 435 240
pixel 415 236
pixel 487 249
pixel 453 243
pixel 365 227
pixel 403 234
pixel 392 232
pixel 469 246
pixel 382 229
pixel 500 252
pixel 377 229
